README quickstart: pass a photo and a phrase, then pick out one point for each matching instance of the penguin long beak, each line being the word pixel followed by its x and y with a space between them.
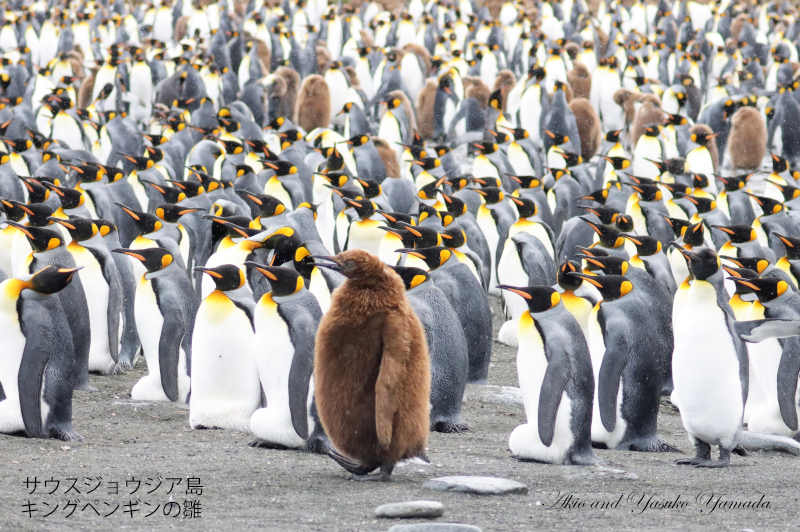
pixel 268 274
pixel 744 282
pixel 588 278
pixel 21 227
pixel 333 266
pixel 516 290
pixel 411 252
pixel 130 253
pixel 685 252
pixel 209 271
pixel 61 221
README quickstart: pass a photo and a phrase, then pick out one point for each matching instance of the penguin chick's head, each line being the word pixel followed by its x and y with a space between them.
pixel 50 279
pixel 283 281
pixel 703 262
pixel 433 256
pixel 359 266
pixel 80 229
pixel 538 298
pixel 41 238
pixel 765 288
pixel 412 277
pixel 226 277
pixel 153 259
pixel 611 287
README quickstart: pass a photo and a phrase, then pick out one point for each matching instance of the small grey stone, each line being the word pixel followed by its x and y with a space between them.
pixel 435 527
pixel 500 395
pixel 401 510
pixel 479 485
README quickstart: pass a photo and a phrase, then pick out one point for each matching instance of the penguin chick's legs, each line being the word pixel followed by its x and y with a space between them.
pixel 703 458
pixel 384 476
pixel 357 469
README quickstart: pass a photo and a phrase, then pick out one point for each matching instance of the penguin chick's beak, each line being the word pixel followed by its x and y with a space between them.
pixel 515 290
pixel 333 266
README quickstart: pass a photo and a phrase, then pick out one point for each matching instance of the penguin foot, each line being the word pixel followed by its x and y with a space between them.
pixel 651 445
pixel 449 427
pixel 65 435
pixel 264 444
pixel 716 464
pixel 703 455
pixel 740 451
pixel 86 387
pixel 385 475
pixel 349 465
pixel 585 459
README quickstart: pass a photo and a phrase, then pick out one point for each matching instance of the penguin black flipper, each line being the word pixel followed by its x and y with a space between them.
pixel 755 331
pixel 614 361
pixel 555 380
pixel 302 331
pixel 169 346
pixel 30 379
pixel 788 371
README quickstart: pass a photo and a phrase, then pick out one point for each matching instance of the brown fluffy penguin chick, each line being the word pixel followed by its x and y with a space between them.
pixel 388 156
pixel 323 60
pixel 588 126
pixel 747 141
pixel 292 82
pixel 264 54
pixel 422 54
pixel 711 143
pixel 371 369
pixel 580 79
pixel 648 114
pixel 425 108
pixel 313 106
pixel 505 78
pixel 85 92
pixel 180 28
pixel 480 92
pixel 573 49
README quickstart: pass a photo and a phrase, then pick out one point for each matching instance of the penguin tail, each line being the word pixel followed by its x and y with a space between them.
pixel 758 442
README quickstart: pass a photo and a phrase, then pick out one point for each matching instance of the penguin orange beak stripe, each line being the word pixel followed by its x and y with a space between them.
pixel 731 271
pixel 410 252
pixel 268 274
pixel 132 254
pixel 62 222
pixel 785 242
pixel 724 229
pixel 515 290
pixel 550 134
pixel 516 200
pixel 637 242
pixel 212 273
pixel 747 284
pixel 130 212
pixel 588 278
pixel 21 228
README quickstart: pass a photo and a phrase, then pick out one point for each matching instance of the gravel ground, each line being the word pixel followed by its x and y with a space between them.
pixel 127 442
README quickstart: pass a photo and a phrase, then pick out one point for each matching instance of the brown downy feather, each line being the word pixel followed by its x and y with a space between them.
pixel 425 108
pixel 353 77
pixel 291 81
pixel 407 106
pixel 603 38
pixel 180 28
pixel 737 25
pixel 85 92
pixel 580 80
pixel 573 50
pixel 588 126
pixel 371 367
pixel 747 140
pixel 649 113
pixel 505 78
pixel 313 106
pixel 263 54
pixel 494 7
pixel 388 156
pixel 323 60
pixel 423 54
pixel 711 145
pixel 366 38
pixel 479 91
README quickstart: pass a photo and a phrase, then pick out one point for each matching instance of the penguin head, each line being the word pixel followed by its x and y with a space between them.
pixel 525 207
pixel 789 192
pixel 792 245
pixel 619 163
pixel 226 277
pixel 268 206
pixel 146 223
pixel 357 265
pixel 741 273
pixel 140 163
pixel 767 289
pixel 455 206
pixel 18 145
pixel 41 238
pixel 757 264
pixel 647 192
pixel 170 194
pixel 491 195
pixel 702 204
pixel 600 196
pixel 613 136
pixel 700 181
pixel 558 139
pixel 624 222
pixel 518 132
pixel 607 264
pixel 37 213
pixel 732 184
pixel 442 150
pixel 79 228
pixel 404 235
pixel 571 159
pixel 538 298
pixel 645 245
pixel 411 277
pixel 171 213
pixel 50 279
pixel 429 191
pixel 738 234
pixel 526 181
pixel 676 120
pixel 768 206
pixel 567 281
pixel 424 237
pixel 607 215
pixel 37 192
pixel 283 281
pixel 453 236
pixel 611 287
pixel 372 189
pixel 392 218
pixel 363 207
pixel 426 211
pixel 702 137
pixel 190 189
pixel 208 183
pixel 69 197
pixel 434 257
pixel 428 163
pixel 779 164
pixel 273 236
pixel 703 262
pixel 694 234
pixel 609 236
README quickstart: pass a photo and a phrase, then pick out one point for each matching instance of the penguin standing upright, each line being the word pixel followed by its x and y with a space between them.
pixel 165 307
pixel 555 377
pixel 38 373
pixel 225 386
pixel 286 319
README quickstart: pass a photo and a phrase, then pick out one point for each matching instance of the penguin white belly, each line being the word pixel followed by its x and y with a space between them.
pixel 319 287
pixel 139 190
pixel 6 241
pixel 275 188
pixel 524 441
pixel 766 415
pixel 11 349
pixel 483 167
pixel 225 385
pixel 20 252
pixel 647 148
pixel 531 113
pixel 149 322
pixel 389 130
pixel 489 228
pixel 97 290
pixel 325 223
pixel 705 369
pixel 387 252
pixel 534 229
pixel 511 272
pixel 235 255
pixel 364 234
pixel 66 129
pixel 519 160
pixel 184 246
pixel 464 259
pixel 580 309
pixel 597 350
pixel 412 75
pixel 274 422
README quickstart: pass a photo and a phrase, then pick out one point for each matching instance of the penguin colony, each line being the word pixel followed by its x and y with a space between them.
pixel 297 212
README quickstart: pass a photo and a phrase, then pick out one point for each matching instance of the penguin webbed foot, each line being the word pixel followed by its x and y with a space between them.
pixel 584 459
pixel 450 427
pixel 65 435
pixel 652 445
pixel 85 388
pixel 703 455
pixel 723 461
pixel 260 443
pixel 385 475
